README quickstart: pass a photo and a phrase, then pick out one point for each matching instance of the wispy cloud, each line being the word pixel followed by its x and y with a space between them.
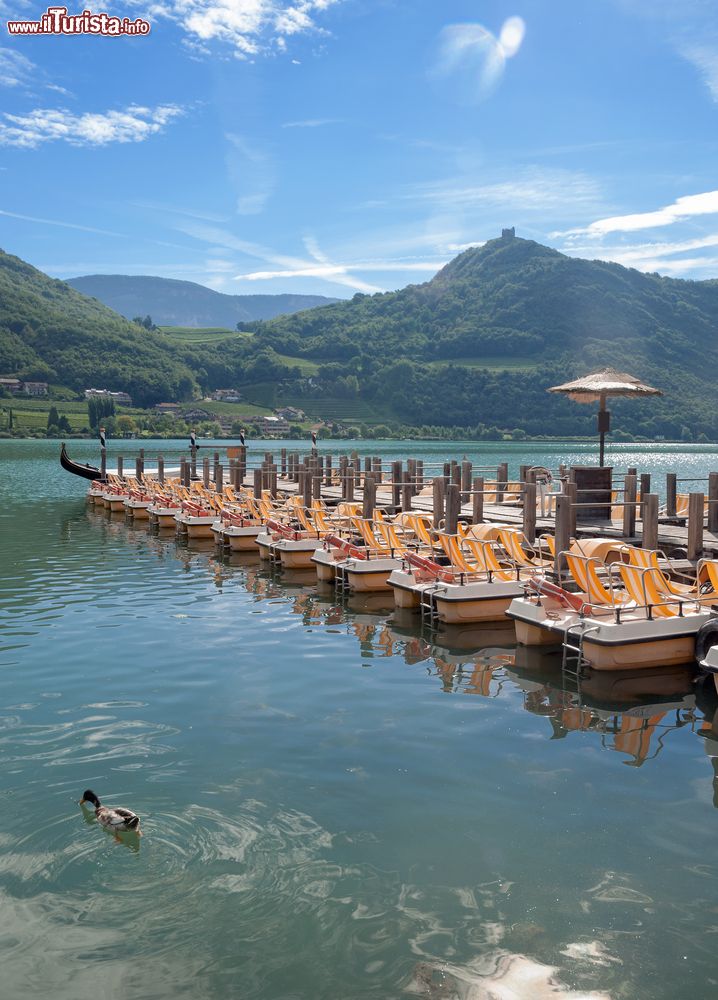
pixel 705 58
pixel 681 209
pixel 15 68
pixel 247 27
pixel 312 123
pixel 134 124
pixel 473 58
pixel 316 264
pixel 529 189
pixel 251 171
pixel 690 27
pixel 57 222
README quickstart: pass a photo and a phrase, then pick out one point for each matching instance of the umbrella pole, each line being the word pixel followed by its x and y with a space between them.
pixel 604 425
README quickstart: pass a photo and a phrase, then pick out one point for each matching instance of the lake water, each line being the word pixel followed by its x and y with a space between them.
pixel 334 805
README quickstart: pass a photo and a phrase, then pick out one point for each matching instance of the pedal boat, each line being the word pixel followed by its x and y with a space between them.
pixel 610 629
pixel 114 499
pixel 283 543
pixel 137 506
pixel 95 495
pixel 194 521
pixel 162 513
pixel 334 550
pixel 237 531
pixel 452 596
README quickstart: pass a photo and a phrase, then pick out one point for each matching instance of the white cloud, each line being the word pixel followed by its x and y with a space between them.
pixel 529 189
pixel 249 27
pixel 705 59
pixel 681 209
pixel 15 68
pixel 56 222
pixel 251 171
pixel 311 123
pixel 134 124
pixel 473 58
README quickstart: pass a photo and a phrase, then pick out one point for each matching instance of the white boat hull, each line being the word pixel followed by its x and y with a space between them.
pixel 631 643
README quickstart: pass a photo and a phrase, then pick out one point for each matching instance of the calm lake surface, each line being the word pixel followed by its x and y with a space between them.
pixel 334 805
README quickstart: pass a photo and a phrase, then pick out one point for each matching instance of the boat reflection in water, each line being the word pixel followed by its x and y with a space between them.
pixel 628 712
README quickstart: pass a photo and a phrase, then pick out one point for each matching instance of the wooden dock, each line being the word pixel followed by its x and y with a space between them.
pixel 453 491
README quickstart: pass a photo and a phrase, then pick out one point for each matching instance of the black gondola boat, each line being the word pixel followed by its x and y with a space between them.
pixel 84 471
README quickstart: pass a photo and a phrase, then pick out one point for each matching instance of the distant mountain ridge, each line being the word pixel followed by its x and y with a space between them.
pixel 171 302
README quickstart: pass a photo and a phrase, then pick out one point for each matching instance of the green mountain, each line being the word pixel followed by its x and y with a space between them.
pixel 185 303
pixel 481 341
pixel 476 347
pixel 50 332
pixel 514 297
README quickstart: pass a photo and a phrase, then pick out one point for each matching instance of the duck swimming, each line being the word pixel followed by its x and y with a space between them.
pixel 117 819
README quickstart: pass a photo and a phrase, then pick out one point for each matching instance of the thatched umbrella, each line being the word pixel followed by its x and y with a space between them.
pixel 599 386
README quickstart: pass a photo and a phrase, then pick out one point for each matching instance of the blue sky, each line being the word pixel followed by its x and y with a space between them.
pixel 336 146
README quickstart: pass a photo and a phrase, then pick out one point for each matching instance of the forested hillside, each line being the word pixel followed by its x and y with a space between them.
pixel 475 347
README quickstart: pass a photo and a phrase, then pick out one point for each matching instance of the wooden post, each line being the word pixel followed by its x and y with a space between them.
pixel 645 483
pixel 273 481
pixel 453 506
pixel 696 503
pixel 138 469
pixel 184 469
pixel 242 473
pixel 205 472
pixel 283 460
pixel 317 483
pixel 562 532
pixel 160 469
pixel 671 490
pixel 103 463
pixel 502 475
pixel 216 466
pixel 456 474
pixel 447 473
pixel 406 492
pixel 343 466
pixel 466 468
pixel 420 473
pixel 713 503
pixel 523 469
pixel 439 490
pixel 529 512
pixel 396 481
pixel 411 470
pixel 257 477
pixel 193 459
pixel 369 502
pixel 572 494
pixel 328 470
pixel 650 521
pixel 477 514
pixel 120 467
pixel 219 478
pixel 350 481
pixel 629 510
pixel 376 468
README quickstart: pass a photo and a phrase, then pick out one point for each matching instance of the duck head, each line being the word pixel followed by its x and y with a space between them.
pixel 89 796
